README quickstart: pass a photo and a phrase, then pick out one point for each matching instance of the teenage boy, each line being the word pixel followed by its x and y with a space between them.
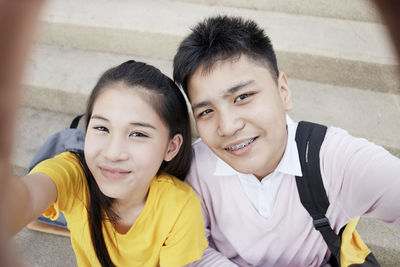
pixel 245 163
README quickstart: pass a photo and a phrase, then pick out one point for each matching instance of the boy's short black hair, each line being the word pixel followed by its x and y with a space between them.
pixel 220 38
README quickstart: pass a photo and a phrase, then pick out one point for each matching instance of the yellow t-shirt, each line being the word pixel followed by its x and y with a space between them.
pixel 168 232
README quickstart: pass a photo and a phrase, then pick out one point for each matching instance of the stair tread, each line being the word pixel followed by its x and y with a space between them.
pixel 329 37
pixel 359 10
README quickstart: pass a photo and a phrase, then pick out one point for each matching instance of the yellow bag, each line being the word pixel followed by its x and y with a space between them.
pixel 353 250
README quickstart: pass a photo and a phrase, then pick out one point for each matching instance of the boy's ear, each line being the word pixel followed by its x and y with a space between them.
pixel 174 145
pixel 284 91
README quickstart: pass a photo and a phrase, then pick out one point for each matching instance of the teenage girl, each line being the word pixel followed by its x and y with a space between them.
pixel 123 198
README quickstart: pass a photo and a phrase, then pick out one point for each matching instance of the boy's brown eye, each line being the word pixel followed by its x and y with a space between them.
pixel 241 97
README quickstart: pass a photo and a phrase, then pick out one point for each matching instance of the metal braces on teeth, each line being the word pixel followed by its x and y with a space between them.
pixel 241 145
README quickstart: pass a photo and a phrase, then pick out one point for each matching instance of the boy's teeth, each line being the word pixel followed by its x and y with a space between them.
pixel 240 145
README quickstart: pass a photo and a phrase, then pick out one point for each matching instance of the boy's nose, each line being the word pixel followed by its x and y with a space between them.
pixel 229 124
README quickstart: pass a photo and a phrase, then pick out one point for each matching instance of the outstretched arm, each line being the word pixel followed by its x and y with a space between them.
pixel 27 198
pixel 17 22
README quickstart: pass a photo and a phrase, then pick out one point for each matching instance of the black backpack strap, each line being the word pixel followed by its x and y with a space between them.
pixel 309 138
pixel 75 121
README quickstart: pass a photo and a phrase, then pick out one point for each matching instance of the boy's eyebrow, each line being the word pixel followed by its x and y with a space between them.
pixel 235 88
pixel 228 92
pixel 141 124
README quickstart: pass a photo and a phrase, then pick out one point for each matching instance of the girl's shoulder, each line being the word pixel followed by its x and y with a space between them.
pixel 69 156
pixel 65 170
pixel 170 196
pixel 66 160
pixel 167 184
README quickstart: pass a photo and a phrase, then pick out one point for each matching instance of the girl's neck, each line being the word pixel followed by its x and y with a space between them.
pixel 129 208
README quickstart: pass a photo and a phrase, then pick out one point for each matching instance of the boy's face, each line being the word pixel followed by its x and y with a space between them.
pixel 240 114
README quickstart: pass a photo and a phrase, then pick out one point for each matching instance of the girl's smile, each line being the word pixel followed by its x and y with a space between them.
pixel 114 173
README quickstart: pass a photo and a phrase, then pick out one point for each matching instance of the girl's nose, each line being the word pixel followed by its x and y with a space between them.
pixel 115 149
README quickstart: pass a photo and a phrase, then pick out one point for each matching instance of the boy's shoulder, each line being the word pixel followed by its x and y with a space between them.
pixel 338 138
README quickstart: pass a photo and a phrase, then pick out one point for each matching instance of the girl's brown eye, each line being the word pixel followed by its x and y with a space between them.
pixel 138 134
pixel 101 128
pixel 205 112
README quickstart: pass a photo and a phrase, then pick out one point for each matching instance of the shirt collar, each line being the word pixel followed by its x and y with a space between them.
pixel 289 164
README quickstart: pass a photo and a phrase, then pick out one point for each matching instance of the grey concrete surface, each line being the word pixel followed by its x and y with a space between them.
pixel 47 250
pixel 366 114
pixel 353 53
pixel 382 239
pixel 37 249
pixel 33 128
pixel 60 79
pixel 360 10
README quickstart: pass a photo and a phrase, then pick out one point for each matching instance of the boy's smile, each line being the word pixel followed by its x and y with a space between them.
pixel 241 146
pixel 240 113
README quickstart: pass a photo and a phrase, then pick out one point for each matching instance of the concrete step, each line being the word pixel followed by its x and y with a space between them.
pixel 382 239
pixel 38 249
pixel 360 10
pixel 60 79
pixel 33 128
pixel 327 50
pixel 371 115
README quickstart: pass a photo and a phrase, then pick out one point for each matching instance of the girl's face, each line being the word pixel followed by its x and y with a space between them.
pixel 126 142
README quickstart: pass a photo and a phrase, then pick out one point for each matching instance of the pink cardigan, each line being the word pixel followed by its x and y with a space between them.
pixel 360 178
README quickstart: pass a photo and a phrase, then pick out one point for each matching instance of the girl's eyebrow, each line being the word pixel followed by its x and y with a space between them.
pixel 200 105
pixel 141 124
pixel 98 117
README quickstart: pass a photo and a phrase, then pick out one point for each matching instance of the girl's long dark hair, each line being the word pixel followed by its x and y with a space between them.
pixel 169 103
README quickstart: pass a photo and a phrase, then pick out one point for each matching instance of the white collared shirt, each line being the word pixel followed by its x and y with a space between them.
pixel 262 194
